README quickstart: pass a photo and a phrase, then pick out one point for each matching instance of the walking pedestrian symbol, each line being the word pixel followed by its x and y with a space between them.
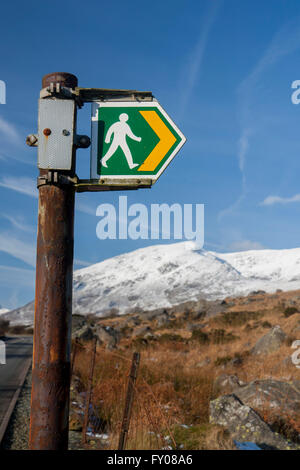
pixel 132 140
pixel 120 130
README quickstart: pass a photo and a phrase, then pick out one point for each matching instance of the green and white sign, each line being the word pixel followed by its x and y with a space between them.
pixel 132 140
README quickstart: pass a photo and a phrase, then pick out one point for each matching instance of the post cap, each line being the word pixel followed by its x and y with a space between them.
pixel 67 80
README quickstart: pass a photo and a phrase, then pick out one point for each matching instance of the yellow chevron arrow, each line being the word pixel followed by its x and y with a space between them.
pixel 167 139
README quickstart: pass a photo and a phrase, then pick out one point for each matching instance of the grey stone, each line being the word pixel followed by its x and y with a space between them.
pixel 269 342
pixel 203 363
pixel 296 384
pixel 244 424
pixel 142 331
pixel 78 321
pixel 162 319
pixel 281 398
pixel 195 326
pixel 227 382
pixel 236 361
pixel 85 333
pixel 108 336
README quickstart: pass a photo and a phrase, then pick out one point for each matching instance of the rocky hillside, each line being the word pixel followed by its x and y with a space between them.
pixel 212 364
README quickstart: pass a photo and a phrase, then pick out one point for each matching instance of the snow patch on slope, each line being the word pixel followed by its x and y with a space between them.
pixel 3 310
pixel 166 275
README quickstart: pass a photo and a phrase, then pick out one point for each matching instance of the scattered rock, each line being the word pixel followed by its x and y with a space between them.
pixel 244 424
pixel 227 382
pixel 108 336
pixel 281 399
pixel 296 384
pixel 162 319
pixel 85 333
pixel 75 422
pixel 195 326
pixel 236 361
pixel 269 342
pixel 215 308
pixel 136 320
pixel 203 363
pixel 142 331
pixel 78 321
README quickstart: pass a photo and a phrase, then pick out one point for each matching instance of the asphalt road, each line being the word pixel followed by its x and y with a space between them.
pixel 18 354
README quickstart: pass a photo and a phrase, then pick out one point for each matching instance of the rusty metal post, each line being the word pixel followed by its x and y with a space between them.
pixel 129 401
pixel 89 392
pixel 53 308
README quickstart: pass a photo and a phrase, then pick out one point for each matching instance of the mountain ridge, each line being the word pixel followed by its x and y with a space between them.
pixel 166 275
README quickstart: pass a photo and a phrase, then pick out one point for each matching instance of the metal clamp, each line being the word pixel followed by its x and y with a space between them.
pixel 55 178
pixel 55 90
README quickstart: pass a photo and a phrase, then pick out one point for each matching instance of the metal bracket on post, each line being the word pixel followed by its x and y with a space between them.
pixel 55 90
pixel 59 179
pixel 88 95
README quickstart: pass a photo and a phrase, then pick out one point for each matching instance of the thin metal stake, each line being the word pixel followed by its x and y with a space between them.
pixel 89 392
pixel 74 356
pixel 129 401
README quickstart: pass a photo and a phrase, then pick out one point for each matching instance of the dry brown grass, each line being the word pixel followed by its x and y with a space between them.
pixel 177 373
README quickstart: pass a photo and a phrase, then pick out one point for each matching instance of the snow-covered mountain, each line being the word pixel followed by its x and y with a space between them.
pixel 166 275
pixel 3 310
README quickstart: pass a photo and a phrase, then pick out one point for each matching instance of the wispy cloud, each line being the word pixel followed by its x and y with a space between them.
pixel 8 131
pixel 85 208
pixel 285 42
pixel 243 146
pixel 245 245
pixel 22 185
pixel 80 262
pixel 20 276
pixel 18 222
pixel 233 207
pixel 198 54
pixel 19 156
pixel 26 185
pixel 19 249
pixel 271 200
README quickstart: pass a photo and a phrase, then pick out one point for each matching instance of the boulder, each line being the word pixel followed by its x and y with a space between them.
pixel 108 336
pixel 136 320
pixel 244 424
pixel 78 321
pixel 85 333
pixel 142 331
pixel 162 319
pixel 277 399
pixel 269 342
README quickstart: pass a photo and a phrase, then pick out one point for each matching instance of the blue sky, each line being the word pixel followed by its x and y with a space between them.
pixel 223 71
